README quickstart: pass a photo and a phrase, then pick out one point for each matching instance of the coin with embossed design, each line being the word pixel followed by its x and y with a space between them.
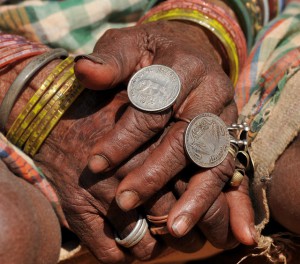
pixel 207 140
pixel 154 88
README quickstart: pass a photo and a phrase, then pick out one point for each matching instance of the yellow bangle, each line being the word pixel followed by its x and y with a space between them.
pixel 211 24
pixel 28 114
pixel 45 100
pixel 52 114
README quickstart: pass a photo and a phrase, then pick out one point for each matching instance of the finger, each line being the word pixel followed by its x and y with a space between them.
pixel 163 164
pixel 110 64
pixel 97 236
pixel 123 223
pixel 215 224
pixel 158 206
pixel 131 131
pixel 202 191
pixel 241 213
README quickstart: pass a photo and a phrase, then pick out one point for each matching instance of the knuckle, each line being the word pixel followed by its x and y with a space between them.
pixel 224 171
pixel 110 255
pixel 155 122
pixel 214 216
pixel 146 252
pixel 112 34
pixel 175 142
pixel 151 182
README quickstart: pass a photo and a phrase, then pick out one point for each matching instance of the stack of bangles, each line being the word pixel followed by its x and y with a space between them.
pixel 235 33
pixel 44 109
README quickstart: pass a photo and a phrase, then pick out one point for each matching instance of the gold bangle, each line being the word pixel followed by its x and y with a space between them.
pixel 28 114
pixel 211 24
pixel 70 91
pixel 46 99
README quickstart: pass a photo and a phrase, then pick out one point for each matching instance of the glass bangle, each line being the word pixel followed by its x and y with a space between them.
pixel 71 95
pixel 16 130
pixel 214 11
pixel 46 98
pixel 211 24
pixel 245 20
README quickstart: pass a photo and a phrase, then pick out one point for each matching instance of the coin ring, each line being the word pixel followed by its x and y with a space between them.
pixel 198 149
pixel 159 76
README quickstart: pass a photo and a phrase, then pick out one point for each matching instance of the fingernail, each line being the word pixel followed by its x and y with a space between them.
pixel 127 200
pixel 90 57
pixel 98 163
pixel 181 225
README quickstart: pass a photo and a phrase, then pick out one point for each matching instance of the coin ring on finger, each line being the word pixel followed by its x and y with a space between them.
pixel 207 140
pixel 154 88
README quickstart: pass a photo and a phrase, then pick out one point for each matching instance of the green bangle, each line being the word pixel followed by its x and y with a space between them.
pixel 245 20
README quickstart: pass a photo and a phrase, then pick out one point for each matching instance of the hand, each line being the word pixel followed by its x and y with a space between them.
pixel 205 88
pixel 87 198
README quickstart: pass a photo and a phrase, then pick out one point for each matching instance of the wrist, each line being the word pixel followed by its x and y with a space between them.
pixel 7 78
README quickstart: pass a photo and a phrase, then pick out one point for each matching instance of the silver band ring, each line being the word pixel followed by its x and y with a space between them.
pixel 135 235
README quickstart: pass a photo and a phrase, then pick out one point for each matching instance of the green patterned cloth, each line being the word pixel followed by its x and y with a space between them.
pixel 75 25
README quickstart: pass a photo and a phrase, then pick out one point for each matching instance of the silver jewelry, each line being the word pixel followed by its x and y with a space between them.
pixel 207 140
pixel 25 75
pixel 135 235
pixel 154 88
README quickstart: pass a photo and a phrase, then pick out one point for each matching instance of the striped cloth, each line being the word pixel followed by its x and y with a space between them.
pixel 272 61
pixel 23 166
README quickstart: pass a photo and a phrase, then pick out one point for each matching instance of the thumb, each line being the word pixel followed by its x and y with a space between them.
pixel 117 55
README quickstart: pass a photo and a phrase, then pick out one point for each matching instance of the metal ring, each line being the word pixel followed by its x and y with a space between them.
pixel 159 230
pixel 237 178
pixel 135 235
pixel 159 223
pixel 233 150
pixel 157 219
pixel 25 75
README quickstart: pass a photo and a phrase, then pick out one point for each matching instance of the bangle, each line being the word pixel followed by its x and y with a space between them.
pixel 21 53
pixel 51 114
pixel 26 74
pixel 45 100
pixel 207 16
pixel 216 12
pixel 28 114
pixel 244 19
pixel 266 11
pixel 14 48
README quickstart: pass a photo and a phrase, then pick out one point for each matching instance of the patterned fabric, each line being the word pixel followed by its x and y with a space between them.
pixel 73 25
pixel 272 61
pixel 22 166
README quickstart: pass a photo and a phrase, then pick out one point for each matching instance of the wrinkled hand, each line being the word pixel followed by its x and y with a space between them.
pixel 88 199
pixel 205 88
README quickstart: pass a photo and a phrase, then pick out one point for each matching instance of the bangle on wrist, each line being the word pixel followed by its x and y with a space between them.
pixel 211 17
pixel 24 76
pixel 54 96
pixel 37 102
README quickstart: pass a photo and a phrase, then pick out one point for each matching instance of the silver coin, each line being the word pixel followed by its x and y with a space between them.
pixel 154 88
pixel 207 140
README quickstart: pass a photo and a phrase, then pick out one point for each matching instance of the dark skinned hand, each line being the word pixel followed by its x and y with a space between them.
pixel 205 88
